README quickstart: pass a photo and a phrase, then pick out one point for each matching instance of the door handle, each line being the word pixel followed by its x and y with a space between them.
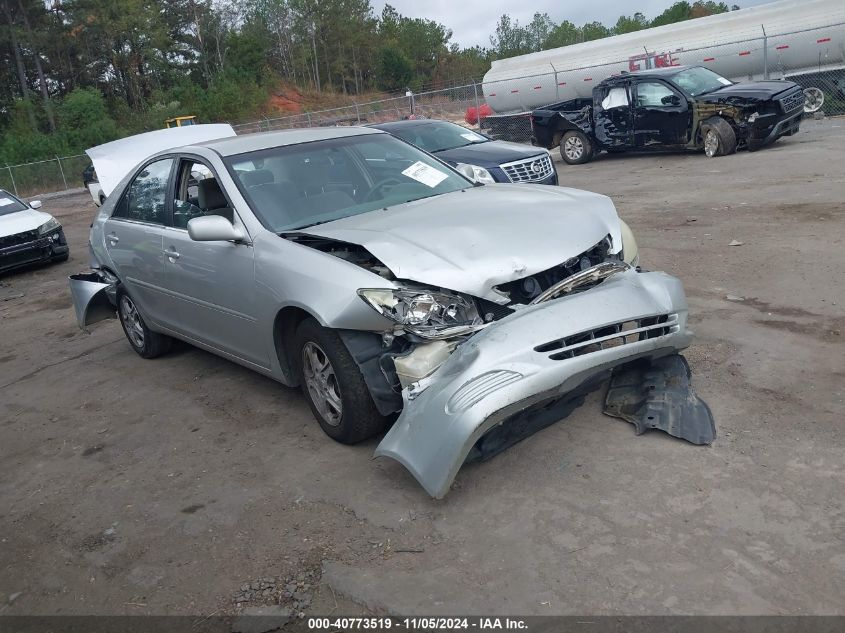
pixel 114 239
pixel 172 254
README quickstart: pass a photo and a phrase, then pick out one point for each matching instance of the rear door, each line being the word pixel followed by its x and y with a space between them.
pixel 613 116
pixel 211 285
pixel 133 238
pixel 661 115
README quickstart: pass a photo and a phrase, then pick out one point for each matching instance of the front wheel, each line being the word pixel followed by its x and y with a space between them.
pixel 332 382
pixel 576 148
pixel 719 137
pixel 145 342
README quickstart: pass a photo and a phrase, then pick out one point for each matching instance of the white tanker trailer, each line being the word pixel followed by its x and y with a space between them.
pixel 794 39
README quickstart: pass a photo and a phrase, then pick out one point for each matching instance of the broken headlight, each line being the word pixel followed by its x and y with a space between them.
pixel 48 226
pixel 426 313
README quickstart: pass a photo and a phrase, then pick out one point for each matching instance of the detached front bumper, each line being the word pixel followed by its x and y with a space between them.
pixel 42 249
pixel 538 355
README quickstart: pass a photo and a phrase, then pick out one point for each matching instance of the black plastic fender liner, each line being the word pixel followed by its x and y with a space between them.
pixel 367 350
pixel 659 395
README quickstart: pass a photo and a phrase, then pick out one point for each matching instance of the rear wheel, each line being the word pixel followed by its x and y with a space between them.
pixel 576 148
pixel 145 342
pixel 719 137
pixel 333 385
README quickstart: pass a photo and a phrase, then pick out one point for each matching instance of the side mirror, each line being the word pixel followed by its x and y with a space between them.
pixel 213 228
pixel 673 100
pixel 35 204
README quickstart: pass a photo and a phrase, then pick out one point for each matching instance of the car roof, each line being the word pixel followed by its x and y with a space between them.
pixel 233 145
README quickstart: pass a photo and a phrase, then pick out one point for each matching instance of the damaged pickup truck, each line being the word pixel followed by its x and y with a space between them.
pixel 392 289
pixel 670 109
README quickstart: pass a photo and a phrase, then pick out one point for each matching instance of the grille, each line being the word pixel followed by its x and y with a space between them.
pixel 792 101
pixel 18 238
pixel 614 335
pixel 529 170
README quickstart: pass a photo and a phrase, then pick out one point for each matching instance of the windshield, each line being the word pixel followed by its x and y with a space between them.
pixel 10 204
pixel 295 186
pixel 698 80
pixel 436 136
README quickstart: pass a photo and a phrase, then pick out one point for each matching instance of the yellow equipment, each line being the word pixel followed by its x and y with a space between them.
pixel 181 121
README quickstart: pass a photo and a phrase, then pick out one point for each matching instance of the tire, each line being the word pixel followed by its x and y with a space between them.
pixel 576 148
pixel 337 394
pixel 718 137
pixel 145 342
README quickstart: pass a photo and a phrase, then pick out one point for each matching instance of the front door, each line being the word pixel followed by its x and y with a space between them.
pixel 661 116
pixel 612 116
pixel 133 237
pixel 211 284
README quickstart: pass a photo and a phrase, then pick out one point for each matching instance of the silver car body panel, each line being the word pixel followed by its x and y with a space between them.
pixel 498 373
pixel 473 240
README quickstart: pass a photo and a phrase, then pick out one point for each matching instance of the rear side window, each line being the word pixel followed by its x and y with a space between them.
pixel 146 197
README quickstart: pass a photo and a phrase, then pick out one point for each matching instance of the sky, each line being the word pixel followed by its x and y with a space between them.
pixel 473 21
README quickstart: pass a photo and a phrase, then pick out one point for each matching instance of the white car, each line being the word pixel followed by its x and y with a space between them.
pixel 28 236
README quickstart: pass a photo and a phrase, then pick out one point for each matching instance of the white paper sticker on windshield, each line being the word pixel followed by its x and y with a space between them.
pixel 472 136
pixel 421 172
pixel 4 202
pixel 725 82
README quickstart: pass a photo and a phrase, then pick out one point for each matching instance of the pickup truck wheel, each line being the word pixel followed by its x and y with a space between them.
pixel 719 137
pixel 576 148
pixel 145 342
pixel 333 385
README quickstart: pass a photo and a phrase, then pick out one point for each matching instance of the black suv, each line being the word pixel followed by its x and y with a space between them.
pixel 677 108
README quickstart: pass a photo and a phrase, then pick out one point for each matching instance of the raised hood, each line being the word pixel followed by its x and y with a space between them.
pixel 114 160
pixel 472 240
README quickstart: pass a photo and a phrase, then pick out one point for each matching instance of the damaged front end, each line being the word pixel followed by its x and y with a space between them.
pixel 465 400
pixel 94 295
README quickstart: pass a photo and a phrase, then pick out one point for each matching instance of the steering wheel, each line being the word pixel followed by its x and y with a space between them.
pixel 381 184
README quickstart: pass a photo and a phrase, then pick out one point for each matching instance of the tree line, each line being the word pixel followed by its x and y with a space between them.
pixel 75 73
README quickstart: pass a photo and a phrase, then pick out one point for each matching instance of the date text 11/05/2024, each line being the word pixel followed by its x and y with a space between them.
pixel 418 623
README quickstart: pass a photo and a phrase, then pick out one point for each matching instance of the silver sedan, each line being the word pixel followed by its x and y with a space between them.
pixel 395 290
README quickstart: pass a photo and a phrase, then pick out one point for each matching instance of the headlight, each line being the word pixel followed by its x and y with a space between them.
pixel 475 173
pixel 49 226
pixel 630 250
pixel 428 314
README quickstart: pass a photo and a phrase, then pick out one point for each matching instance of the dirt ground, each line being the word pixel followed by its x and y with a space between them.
pixel 130 486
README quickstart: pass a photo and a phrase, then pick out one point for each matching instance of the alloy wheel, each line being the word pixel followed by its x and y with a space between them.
pixel 573 147
pixel 132 321
pixel 711 143
pixel 322 384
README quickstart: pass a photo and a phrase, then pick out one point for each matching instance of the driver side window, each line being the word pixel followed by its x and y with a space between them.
pixel 653 94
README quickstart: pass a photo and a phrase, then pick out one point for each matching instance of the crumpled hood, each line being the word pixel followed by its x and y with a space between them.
pixel 750 90
pixel 472 240
pixel 26 220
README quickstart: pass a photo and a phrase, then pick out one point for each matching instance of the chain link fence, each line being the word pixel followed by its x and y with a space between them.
pixel 44 176
pixel 754 55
